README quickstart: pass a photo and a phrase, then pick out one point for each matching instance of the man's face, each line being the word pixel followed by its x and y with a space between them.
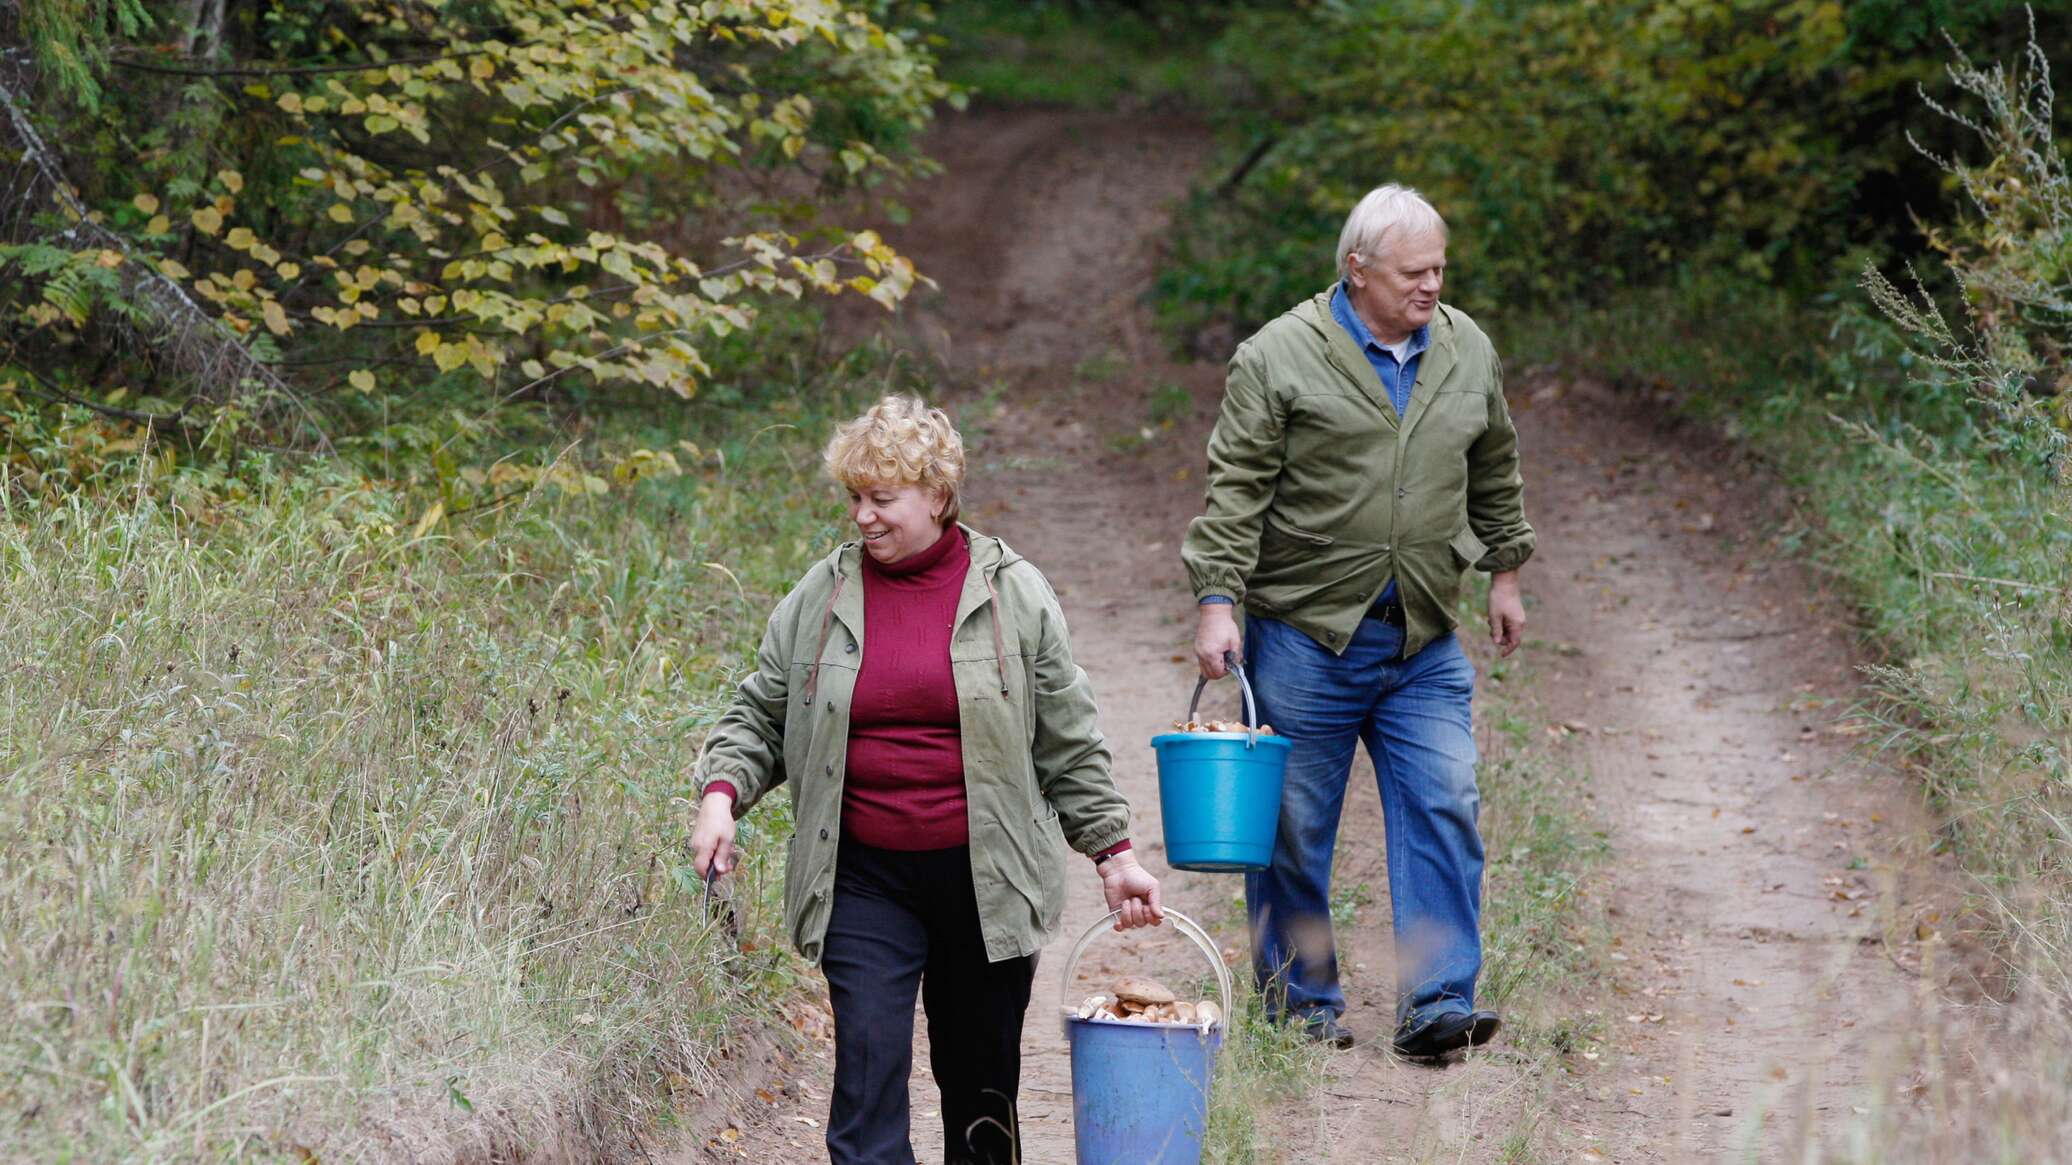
pixel 1397 291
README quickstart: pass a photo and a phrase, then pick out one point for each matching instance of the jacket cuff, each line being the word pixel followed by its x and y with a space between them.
pixel 1216 594
pixel 1111 851
pixel 720 785
pixel 1509 556
pixel 1099 838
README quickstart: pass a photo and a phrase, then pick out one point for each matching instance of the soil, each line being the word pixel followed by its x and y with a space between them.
pixel 1759 907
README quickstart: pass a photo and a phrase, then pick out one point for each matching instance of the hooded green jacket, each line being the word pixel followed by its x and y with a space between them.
pixel 1318 493
pixel 1036 767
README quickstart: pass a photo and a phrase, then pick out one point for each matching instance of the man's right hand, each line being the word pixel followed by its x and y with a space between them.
pixel 1216 635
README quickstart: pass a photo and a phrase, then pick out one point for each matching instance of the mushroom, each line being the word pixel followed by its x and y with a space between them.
pixel 1142 991
pixel 1207 1014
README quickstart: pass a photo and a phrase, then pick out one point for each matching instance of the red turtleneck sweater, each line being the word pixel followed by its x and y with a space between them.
pixel 905 783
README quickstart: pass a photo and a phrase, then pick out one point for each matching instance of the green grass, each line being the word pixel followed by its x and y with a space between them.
pixel 1953 541
pixel 330 840
pixel 1082 54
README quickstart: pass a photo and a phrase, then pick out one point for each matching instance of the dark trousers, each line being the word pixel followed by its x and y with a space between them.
pixel 907 920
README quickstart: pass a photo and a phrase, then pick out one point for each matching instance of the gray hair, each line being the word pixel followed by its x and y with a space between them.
pixel 1386 211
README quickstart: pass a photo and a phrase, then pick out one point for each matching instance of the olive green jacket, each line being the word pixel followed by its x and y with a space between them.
pixel 1036 767
pixel 1318 493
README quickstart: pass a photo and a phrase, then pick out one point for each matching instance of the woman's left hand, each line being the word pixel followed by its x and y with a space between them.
pixel 1130 888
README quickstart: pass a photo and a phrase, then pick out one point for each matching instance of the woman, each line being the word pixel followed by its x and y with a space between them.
pixel 917 690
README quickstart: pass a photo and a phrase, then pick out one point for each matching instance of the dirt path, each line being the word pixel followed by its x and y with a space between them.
pixel 1749 987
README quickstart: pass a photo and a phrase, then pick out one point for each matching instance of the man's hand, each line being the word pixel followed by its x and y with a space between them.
pixel 1131 888
pixel 712 837
pixel 1215 635
pixel 1506 612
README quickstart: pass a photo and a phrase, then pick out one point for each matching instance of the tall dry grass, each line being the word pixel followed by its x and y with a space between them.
pixel 321 840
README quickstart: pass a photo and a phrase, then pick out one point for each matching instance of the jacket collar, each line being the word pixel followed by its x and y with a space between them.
pixel 845 596
pixel 1344 354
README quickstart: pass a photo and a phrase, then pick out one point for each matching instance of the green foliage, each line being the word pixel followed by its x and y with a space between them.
pixel 1576 149
pixel 507 195
pixel 70 39
pixel 1088 54
pixel 334 820
pixel 1927 444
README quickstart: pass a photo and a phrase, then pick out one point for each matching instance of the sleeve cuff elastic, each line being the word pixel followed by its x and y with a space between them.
pixel 1218 600
pixel 1112 850
pixel 721 786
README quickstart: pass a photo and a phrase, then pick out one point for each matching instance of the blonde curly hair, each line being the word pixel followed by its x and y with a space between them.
pixel 900 441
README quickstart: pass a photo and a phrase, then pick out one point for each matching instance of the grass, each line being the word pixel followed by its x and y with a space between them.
pixel 330 837
pixel 1953 541
pixel 1079 54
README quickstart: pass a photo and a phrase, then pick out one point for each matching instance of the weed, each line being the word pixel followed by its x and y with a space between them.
pixel 327 825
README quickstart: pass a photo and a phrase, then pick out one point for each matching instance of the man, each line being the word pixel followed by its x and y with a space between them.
pixel 1363 459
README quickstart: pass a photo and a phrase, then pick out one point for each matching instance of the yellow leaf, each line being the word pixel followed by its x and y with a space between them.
pixel 172 269
pixel 148 203
pixel 481 68
pixel 158 225
pixel 231 180
pixel 288 270
pixel 364 381
pixel 109 259
pixel 276 317
pixel 449 356
pixel 427 343
pixel 240 239
pixel 430 519
pixel 290 102
pixel 340 212
pixel 208 220
pixel 533 368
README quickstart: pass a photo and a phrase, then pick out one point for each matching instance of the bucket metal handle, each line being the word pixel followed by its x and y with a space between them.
pixel 1183 924
pixel 1251 709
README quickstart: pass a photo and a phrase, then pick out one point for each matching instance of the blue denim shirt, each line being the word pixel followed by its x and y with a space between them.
pixel 1397 379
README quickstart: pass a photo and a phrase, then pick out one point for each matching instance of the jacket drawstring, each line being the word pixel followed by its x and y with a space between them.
pixel 999 641
pixel 827 616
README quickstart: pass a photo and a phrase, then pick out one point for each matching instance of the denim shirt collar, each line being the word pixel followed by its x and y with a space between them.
pixel 1342 311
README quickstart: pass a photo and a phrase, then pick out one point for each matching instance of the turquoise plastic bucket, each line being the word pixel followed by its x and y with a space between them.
pixel 1140 1092
pixel 1219 793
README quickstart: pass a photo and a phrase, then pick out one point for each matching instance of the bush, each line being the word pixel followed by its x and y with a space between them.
pixel 1577 149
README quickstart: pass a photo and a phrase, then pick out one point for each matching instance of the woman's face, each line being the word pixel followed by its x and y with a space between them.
pixel 896 521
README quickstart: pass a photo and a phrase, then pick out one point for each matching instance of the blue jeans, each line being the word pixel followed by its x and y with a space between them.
pixel 1413 715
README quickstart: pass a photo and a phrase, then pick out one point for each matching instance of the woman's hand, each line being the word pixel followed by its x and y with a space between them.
pixel 712 838
pixel 1131 888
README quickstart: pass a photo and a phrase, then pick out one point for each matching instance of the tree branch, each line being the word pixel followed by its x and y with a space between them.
pixel 198 340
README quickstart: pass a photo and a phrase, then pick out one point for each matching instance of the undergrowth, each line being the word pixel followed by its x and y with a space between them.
pixel 337 828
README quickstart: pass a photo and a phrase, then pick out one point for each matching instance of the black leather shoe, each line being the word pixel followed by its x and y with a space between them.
pixel 1325 1029
pixel 1450 1032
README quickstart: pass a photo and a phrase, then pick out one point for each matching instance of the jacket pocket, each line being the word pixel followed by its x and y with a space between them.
pixel 1467 549
pixel 1297 533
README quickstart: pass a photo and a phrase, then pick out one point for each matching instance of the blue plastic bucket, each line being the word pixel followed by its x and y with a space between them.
pixel 1219 793
pixel 1140 1092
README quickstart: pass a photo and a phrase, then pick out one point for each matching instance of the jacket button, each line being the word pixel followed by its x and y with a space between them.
pixel 831 703
pixel 849 647
pixel 1384 550
pixel 823 835
pixel 1402 491
pixel 830 768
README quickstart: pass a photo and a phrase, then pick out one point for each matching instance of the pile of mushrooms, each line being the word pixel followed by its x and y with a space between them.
pixel 1140 999
pixel 1218 726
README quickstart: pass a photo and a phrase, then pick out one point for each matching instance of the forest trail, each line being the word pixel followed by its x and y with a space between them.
pixel 1757 941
